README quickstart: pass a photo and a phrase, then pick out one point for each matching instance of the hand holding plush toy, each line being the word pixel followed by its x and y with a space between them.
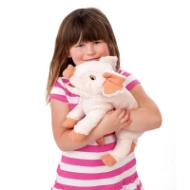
pixel 101 89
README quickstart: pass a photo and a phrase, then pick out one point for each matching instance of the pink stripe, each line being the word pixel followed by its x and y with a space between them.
pixel 58 97
pixel 116 186
pixel 109 134
pixel 139 187
pixel 65 80
pixel 95 176
pixel 125 73
pixel 130 179
pixel 67 92
pixel 81 162
pixel 72 106
pixel 97 148
pixel 132 84
pixel 62 99
pixel 57 84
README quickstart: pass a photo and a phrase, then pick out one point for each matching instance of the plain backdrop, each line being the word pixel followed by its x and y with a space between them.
pixel 154 42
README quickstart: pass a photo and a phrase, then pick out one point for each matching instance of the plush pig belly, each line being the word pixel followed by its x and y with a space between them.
pixel 124 100
pixel 97 103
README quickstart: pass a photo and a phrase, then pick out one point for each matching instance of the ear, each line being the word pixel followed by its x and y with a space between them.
pixel 111 60
pixel 113 83
pixel 69 71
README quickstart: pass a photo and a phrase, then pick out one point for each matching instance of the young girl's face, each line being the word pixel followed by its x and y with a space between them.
pixel 88 51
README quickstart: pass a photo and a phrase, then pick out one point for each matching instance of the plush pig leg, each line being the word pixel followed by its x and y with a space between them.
pixel 120 151
pixel 84 126
pixel 74 116
pixel 69 123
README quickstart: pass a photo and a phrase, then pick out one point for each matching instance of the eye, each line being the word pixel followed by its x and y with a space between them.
pixel 96 42
pixel 92 77
pixel 80 45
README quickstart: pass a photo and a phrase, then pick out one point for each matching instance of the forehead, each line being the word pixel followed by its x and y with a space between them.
pixel 86 33
pixel 87 36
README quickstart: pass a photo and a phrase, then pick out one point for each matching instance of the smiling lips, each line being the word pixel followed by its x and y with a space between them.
pixel 94 59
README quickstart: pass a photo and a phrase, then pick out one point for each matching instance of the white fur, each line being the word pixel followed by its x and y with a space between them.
pixel 95 104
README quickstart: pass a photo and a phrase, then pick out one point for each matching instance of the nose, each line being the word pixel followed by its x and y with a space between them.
pixel 90 50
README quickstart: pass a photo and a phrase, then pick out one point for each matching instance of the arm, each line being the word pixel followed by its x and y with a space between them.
pixel 59 110
pixel 147 116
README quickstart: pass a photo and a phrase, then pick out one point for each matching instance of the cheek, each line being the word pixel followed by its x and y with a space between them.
pixel 76 56
pixel 104 50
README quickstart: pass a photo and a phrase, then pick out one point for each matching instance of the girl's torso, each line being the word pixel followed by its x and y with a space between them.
pixel 83 169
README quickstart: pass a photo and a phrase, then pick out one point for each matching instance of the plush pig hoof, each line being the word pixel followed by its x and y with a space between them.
pixel 76 136
pixel 108 160
pixel 69 123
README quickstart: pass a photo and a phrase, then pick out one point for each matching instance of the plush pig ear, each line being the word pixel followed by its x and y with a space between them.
pixel 111 60
pixel 69 71
pixel 113 83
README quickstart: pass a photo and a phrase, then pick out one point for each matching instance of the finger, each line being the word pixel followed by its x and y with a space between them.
pixel 127 114
pixel 126 120
pixel 109 112
pixel 118 112
pixel 100 141
pixel 124 114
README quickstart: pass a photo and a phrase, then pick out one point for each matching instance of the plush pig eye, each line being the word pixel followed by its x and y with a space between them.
pixel 92 77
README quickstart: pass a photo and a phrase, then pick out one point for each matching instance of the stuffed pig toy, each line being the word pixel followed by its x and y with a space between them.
pixel 101 89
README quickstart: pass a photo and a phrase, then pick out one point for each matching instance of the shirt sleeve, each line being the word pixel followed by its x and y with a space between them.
pixel 131 80
pixel 58 91
pixel 61 93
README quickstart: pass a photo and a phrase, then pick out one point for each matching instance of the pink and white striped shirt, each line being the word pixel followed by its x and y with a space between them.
pixel 83 168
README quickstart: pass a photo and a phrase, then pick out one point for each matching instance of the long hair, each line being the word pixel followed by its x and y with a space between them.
pixel 85 24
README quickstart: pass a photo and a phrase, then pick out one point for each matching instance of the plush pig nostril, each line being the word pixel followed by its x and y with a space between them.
pixel 71 85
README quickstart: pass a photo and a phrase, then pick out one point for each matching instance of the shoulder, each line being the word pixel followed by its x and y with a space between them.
pixel 60 86
pixel 60 92
pixel 131 81
pixel 61 82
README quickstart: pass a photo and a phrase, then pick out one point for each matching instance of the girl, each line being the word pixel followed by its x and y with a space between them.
pixel 85 35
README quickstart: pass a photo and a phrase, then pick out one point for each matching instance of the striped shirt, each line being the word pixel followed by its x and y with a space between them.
pixel 83 168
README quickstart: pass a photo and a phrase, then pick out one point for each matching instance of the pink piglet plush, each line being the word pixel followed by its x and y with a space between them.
pixel 101 89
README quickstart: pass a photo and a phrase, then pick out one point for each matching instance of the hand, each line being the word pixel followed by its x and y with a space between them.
pixel 115 120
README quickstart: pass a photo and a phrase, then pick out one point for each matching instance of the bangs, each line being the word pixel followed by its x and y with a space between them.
pixel 92 33
pixel 85 28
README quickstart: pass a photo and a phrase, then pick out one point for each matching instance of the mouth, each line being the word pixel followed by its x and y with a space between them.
pixel 93 59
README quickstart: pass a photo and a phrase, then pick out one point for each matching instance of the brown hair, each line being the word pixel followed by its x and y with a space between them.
pixel 86 24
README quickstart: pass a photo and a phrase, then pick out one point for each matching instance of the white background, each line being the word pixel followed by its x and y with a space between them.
pixel 154 42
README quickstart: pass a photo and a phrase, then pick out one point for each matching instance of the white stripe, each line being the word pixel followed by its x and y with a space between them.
pixel 130 79
pixel 97 169
pixel 57 90
pixel 60 91
pixel 61 82
pixel 73 100
pixel 87 183
pixel 84 155
pixel 122 72
pixel 107 140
